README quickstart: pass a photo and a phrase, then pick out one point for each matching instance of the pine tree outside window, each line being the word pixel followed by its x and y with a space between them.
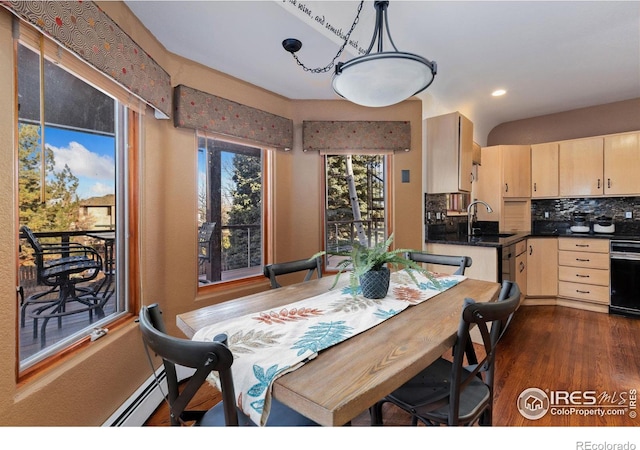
pixel 230 211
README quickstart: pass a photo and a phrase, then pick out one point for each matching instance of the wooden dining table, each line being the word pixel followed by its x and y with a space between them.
pixel 346 379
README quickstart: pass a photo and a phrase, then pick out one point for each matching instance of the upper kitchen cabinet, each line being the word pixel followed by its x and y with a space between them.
pixel 544 170
pixel 449 154
pixel 581 167
pixel 504 181
pixel 516 170
pixel 600 166
pixel 510 167
pixel 622 164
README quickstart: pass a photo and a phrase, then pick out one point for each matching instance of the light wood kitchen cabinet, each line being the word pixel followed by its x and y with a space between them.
pixel 449 154
pixel 622 164
pixel 521 268
pixel 504 182
pixel 583 273
pixel 542 267
pixel 544 170
pixel 581 165
pixel 476 154
pixel 516 170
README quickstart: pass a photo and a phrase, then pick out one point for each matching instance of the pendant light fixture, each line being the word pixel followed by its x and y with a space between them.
pixel 381 78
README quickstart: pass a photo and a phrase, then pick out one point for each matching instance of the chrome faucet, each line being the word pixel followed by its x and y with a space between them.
pixel 471 217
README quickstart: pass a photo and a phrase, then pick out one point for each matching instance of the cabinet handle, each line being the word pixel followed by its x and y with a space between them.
pixel 582 276
pixel 598 183
pixel 582 245
pixel 582 292
pixel 582 260
pixel 471 177
pixel 609 182
pixel 506 187
pixel 535 187
pixel 531 249
pixel 521 266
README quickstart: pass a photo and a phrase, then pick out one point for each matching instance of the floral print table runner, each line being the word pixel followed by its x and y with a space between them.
pixel 271 343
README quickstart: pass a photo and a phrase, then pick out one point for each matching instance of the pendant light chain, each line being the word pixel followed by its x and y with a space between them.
pixel 329 66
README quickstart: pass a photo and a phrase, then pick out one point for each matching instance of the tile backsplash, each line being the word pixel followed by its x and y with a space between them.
pixel 435 207
pixel 564 208
pixel 558 212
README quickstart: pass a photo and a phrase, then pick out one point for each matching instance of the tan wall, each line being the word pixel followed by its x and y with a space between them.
pixel 610 118
pixel 88 387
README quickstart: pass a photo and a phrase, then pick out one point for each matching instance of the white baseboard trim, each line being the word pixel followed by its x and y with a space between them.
pixel 135 411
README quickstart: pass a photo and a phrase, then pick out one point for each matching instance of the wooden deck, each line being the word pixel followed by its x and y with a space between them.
pixel 69 324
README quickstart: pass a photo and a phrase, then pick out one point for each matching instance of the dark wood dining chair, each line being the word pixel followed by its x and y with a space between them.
pixel 461 262
pixel 272 271
pixel 458 392
pixel 204 357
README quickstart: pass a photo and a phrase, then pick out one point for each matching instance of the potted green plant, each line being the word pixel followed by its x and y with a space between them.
pixel 370 267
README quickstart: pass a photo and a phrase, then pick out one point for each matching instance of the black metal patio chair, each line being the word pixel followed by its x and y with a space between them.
pixel 61 267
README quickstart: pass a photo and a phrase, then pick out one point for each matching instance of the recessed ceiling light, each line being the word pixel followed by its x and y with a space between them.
pixel 498 92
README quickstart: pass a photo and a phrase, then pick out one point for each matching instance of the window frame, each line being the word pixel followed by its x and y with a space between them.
pixel 127 134
pixel 267 158
pixel 388 191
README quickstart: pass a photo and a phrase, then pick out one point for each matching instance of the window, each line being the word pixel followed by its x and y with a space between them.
pixel 230 210
pixel 71 193
pixel 342 224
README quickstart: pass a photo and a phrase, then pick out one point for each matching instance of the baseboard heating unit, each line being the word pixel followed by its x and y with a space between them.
pixel 135 411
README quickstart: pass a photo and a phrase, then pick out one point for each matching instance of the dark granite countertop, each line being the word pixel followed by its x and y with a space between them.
pixel 484 240
pixel 503 240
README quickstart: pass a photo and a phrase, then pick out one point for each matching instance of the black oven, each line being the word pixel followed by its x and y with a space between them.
pixel 625 278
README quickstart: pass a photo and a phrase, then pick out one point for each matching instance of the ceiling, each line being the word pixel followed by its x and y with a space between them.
pixel 550 56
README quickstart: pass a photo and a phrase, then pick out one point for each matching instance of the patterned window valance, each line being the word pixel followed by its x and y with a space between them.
pixel 83 28
pixel 202 111
pixel 361 137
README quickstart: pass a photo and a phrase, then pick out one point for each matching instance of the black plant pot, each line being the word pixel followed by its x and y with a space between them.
pixel 375 283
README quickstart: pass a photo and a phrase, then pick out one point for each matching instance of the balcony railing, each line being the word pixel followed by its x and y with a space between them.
pixel 236 252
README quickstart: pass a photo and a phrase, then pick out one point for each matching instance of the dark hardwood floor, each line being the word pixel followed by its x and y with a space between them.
pixel 551 348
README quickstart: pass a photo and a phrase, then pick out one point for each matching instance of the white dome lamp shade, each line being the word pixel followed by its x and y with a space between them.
pixel 382 78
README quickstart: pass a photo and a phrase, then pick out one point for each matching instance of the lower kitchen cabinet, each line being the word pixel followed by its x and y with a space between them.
pixel 583 273
pixel 521 268
pixel 542 270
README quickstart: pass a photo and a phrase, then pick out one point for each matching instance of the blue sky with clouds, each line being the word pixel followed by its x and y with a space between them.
pixel 91 158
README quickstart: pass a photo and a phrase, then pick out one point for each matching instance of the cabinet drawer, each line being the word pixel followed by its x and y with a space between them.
pixel 584 245
pixel 521 247
pixel 583 259
pixel 584 275
pixel 591 293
